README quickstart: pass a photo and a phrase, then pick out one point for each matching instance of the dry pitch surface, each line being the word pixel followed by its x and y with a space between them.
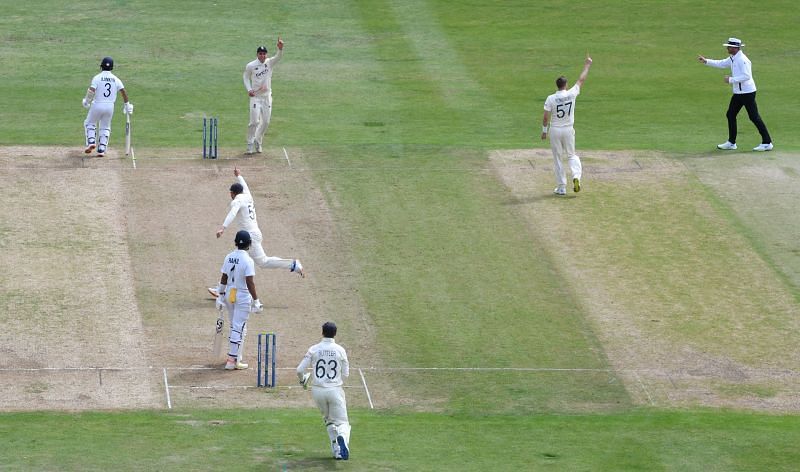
pixel 105 275
pixel 105 271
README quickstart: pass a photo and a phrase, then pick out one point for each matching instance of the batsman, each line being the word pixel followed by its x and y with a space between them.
pixel 99 100
pixel 237 294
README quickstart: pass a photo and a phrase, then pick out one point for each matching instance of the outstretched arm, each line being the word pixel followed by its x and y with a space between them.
pixel 587 63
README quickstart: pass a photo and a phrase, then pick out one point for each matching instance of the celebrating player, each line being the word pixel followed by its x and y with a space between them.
pixel 559 115
pixel 258 83
pixel 243 210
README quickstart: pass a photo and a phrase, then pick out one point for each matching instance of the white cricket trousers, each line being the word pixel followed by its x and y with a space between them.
pixel 333 406
pixel 261 258
pixel 100 112
pixel 238 314
pixel 260 114
pixel 562 143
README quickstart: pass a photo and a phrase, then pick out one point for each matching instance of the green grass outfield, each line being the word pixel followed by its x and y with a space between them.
pixel 285 440
pixel 398 105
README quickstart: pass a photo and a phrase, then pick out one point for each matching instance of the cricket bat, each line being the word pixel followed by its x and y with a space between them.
pixel 127 134
pixel 219 326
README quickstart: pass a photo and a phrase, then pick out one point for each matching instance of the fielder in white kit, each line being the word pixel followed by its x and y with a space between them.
pixel 329 366
pixel 559 115
pixel 242 209
pixel 100 98
pixel 258 83
pixel 237 294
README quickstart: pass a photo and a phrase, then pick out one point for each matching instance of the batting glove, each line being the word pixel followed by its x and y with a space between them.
pixel 257 307
pixel 305 380
pixel 85 103
pixel 220 303
pixel 127 108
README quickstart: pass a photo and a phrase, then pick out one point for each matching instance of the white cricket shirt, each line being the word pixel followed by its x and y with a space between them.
pixel 106 86
pixel 238 265
pixel 242 209
pixel 328 362
pixel 561 106
pixel 258 76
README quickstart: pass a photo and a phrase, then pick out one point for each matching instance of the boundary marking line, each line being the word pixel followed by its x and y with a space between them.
pixel 641 384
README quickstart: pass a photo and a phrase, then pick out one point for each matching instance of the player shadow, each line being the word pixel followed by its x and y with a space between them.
pixel 537 198
pixel 312 463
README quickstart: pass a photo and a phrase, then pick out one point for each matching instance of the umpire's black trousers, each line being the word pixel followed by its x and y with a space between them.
pixel 748 101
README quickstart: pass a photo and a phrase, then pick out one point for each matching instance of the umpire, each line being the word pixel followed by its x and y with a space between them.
pixel 744 93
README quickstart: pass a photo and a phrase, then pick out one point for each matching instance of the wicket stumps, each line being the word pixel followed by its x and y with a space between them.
pixel 266 367
pixel 210 137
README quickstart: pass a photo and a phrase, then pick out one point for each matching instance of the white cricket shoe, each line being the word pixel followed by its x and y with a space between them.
pixel 560 191
pixel 213 292
pixel 249 149
pixel 726 146
pixel 101 151
pixel 344 453
pixel 298 267
pixel 763 147
pixel 235 365
pixel 258 147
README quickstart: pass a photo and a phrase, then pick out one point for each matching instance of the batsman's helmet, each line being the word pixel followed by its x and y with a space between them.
pixel 261 49
pixel 107 64
pixel 242 239
pixel 237 188
pixel 329 329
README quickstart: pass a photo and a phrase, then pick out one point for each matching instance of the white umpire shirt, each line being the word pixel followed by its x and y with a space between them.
pixel 741 79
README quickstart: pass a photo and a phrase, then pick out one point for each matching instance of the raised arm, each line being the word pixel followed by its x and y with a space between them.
pixel 587 63
pixel 239 177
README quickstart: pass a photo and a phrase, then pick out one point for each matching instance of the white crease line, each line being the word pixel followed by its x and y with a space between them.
pixel 366 389
pixel 287 157
pixel 641 384
pixel 166 388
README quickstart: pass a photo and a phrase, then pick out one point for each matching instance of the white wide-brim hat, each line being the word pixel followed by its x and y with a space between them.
pixel 734 43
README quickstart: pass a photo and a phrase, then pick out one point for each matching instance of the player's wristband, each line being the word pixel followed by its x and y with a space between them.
pixel 544 129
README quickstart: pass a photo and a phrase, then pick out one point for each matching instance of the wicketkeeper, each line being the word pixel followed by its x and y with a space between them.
pixel 329 366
